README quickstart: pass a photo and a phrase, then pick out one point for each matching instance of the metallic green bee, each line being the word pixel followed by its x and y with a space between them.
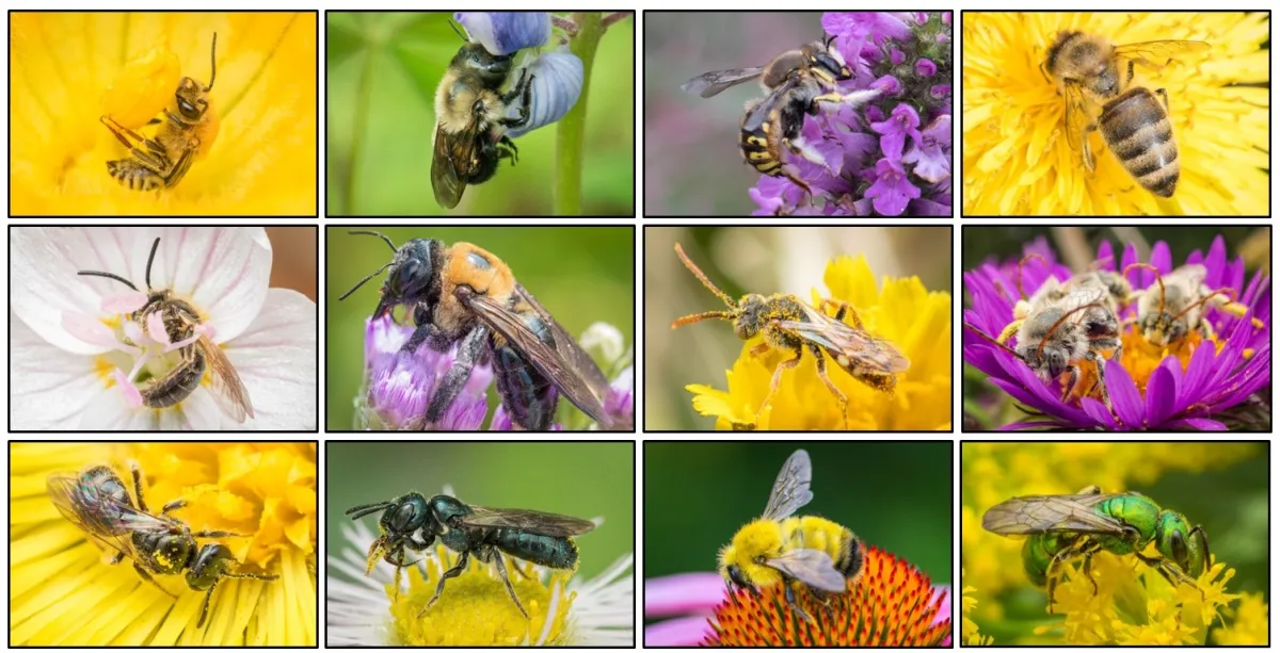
pixel 1065 526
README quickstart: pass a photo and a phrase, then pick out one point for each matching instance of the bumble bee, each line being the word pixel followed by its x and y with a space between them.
pixel 1135 125
pixel 472 117
pixel 175 322
pixel 817 553
pixel 465 295
pixel 190 123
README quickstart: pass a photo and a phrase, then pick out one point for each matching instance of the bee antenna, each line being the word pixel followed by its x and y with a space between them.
pixel 213 63
pixel 698 317
pixel 360 511
pixel 363 281
pixel 378 234
pixel 457 31
pixel 1040 349
pixel 703 278
pixel 152 259
pixel 993 341
pixel 1021 293
pixel 1153 268
pixel 108 275
pixel 1229 292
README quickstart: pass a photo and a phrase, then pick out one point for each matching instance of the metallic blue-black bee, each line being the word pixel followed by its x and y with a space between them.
pixel 414 522
pixel 98 502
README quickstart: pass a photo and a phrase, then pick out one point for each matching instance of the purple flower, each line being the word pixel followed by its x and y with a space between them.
pixel 400 384
pixel 891 191
pixel 932 154
pixel 926 68
pixel 1187 389
pixel 894 131
pixel 505 32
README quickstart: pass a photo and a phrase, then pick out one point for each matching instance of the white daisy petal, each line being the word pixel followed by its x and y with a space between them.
pixel 225 271
pixel 50 386
pixel 276 359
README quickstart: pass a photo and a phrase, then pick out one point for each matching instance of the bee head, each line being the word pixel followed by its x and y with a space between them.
pixel 826 62
pixel 212 561
pixel 490 69
pixel 406 515
pixel 1176 542
pixel 413 276
pixel 750 315
pixel 191 99
pixel 172 553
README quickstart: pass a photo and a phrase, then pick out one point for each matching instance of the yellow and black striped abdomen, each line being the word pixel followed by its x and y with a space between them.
pixel 133 175
pixel 1136 128
pixel 758 138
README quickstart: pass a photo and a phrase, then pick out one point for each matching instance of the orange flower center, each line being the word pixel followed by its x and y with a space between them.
pixel 891 604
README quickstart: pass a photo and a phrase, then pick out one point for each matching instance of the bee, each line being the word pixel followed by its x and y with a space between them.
pixel 1059 327
pixel 98 502
pixel 472 116
pixel 463 294
pixel 1135 125
pixel 789 324
pixel 813 552
pixel 1118 293
pixel 1177 304
pixel 795 83
pixel 176 323
pixel 189 123
pixel 414 522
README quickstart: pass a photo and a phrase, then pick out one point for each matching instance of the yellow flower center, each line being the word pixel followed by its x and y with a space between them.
pixel 1141 358
pixel 475 609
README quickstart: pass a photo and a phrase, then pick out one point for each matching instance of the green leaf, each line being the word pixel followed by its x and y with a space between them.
pixel 342 38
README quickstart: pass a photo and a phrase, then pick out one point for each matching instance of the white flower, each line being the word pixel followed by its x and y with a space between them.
pixel 77 360
pixel 599 612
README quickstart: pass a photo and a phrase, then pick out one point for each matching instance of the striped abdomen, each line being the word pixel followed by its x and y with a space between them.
pixel 178 383
pixel 134 175
pixel 1136 128
pixel 545 550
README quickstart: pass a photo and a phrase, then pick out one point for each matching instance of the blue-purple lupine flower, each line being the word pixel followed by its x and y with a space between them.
pixel 888 164
pixel 557 74
pixel 1192 392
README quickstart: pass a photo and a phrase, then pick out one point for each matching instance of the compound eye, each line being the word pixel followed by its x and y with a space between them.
pixel 187 109
pixel 402 282
pixel 405 515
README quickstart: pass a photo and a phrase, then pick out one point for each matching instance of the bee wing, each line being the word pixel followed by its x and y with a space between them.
pixel 1049 513
pixel 562 360
pixel 791 490
pixel 1160 53
pixel 447 150
pixel 109 522
pixel 1075 116
pixel 811 567
pixel 862 349
pixel 532 521
pixel 224 384
pixel 712 83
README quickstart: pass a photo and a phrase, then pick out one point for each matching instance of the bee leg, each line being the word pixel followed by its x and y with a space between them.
pixel 1086 151
pixel 153 157
pixel 136 471
pixel 204 607
pixel 523 90
pixel 843 309
pixel 777 378
pixel 1101 364
pixel 759 350
pixel 147 577
pixel 217 534
pixel 179 169
pixel 176 504
pixel 1171 572
pixel 1009 330
pixel 115 559
pixel 1087 552
pixel 506 580
pixel 1164 95
pixel 451 573
pixel 513 153
pixel 790 593
pixel 1058 559
pixel 469 352
pixel 822 373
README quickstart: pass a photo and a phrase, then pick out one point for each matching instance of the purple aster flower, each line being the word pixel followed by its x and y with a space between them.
pixel 892 190
pixel 1189 386
pixel 896 58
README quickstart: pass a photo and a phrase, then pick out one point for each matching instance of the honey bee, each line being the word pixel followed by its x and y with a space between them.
pixel 178 325
pixel 463 294
pixel 189 123
pixel 1060 326
pixel 791 325
pixel 1176 305
pixel 816 553
pixel 472 116
pixel 1135 125
pixel 796 82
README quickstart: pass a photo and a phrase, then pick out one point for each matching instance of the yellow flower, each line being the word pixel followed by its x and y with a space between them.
pixel 1017 161
pixel 1249 626
pixel 969 635
pixel 258 150
pixel 62 593
pixel 903 312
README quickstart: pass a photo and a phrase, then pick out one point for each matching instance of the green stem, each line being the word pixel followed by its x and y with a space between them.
pixel 572 128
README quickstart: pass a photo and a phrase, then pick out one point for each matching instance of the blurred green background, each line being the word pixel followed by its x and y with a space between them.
pixel 382 71
pixel 893 495
pixel 582 275
pixel 985 406
pixel 587 480
pixel 751 259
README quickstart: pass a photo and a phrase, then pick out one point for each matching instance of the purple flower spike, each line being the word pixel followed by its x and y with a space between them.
pixel 894 131
pixel 891 190
pixel 926 68
pixel 897 57
pixel 1165 390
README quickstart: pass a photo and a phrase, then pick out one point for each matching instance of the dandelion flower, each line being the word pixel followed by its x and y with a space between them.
pixel 901 311
pixel 1193 385
pixel 1018 161
pixel 61 593
pixel 475 609
pixel 258 155
pixel 79 361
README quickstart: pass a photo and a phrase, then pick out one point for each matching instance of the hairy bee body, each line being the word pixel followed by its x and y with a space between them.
pixel 767 539
pixel 1134 124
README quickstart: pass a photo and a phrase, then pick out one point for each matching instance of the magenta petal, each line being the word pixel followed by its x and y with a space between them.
pixel 1162 259
pixel 682 594
pixel 1216 262
pixel 1162 397
pixel 1198 372
pixel 1130 257
pixel 1124 396
pixel 1099 413
pixel 688 631
pixel 1106 256
pixel 1199 424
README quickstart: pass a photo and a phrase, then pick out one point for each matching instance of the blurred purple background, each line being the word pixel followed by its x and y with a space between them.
pixel 692 165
